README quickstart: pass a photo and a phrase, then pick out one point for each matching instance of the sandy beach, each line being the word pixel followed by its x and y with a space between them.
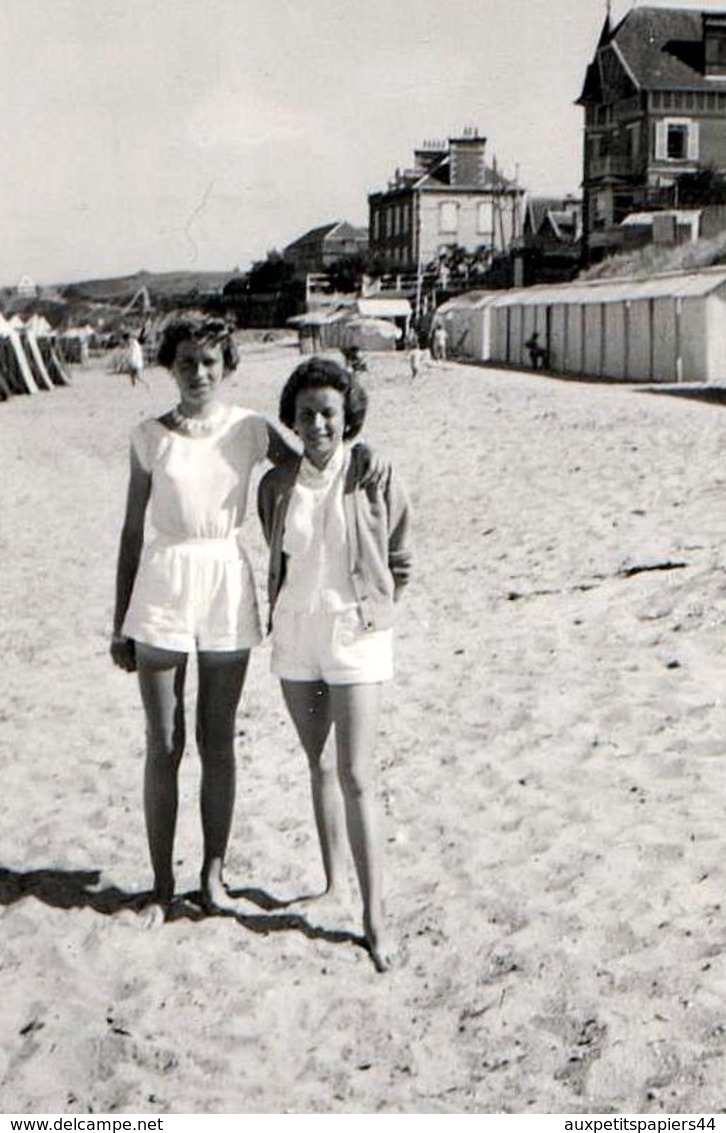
pixel 552 778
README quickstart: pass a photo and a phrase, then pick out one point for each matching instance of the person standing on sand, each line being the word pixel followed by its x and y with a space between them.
pixel 416 355
pixel 189 588
pixel 537 353
pixel 133 358
pixel 339 559
pixel 439 343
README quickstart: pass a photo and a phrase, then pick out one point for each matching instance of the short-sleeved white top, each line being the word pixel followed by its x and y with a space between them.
pixel 200 484
pixel 316 540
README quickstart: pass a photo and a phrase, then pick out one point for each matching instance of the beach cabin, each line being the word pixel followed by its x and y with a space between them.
pixel 669 328
pixel 396 311
pixel 467 322
pixel 371 324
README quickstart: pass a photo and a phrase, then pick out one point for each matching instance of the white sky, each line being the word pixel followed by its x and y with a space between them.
pixel 181 134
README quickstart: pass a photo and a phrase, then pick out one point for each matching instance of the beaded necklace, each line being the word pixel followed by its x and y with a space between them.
pixel 194 426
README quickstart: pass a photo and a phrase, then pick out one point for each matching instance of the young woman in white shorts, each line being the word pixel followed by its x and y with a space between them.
pixel 339 559
pixel 187 587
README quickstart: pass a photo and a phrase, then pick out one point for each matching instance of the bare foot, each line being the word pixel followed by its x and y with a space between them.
pixel 378 946
pixel 330 906
pixel 155 910
pixel 153 916
pixel 216 899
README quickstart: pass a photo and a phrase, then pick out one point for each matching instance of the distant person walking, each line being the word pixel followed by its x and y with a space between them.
pixel 416 354
pixel 355 359
pixel 131 361
pixel 439 343
pixel 537 353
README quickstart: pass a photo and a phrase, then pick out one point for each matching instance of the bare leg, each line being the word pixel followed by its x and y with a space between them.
pixel 161 681
pixel 221 680
pixel 355 710
pixel 308 703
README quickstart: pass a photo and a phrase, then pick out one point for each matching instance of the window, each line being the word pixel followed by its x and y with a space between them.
pixel 448 216
pixel 485 218
pixel 633 136
pixel 715 45
pixel 677 142
pixel 603 206
pixel 676 139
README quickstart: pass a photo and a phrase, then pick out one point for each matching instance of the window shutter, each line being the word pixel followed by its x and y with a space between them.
pixel 693 141
pixel 661 141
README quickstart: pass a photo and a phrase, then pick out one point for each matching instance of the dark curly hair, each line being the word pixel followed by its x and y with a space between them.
pixel 320 373
pixel 197 328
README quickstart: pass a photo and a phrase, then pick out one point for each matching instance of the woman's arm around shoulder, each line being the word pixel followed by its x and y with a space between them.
pixel 371 467
pixel 266 501
pixel 279 450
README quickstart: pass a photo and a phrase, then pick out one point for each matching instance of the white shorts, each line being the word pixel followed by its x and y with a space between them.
pixel 330 647
pixel 194 595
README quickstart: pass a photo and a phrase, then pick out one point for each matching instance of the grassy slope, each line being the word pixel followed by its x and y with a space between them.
pixel 653 261
pixel 122 288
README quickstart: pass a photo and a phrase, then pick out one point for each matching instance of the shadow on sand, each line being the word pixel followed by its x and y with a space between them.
pixel 716 395
pixel 83 889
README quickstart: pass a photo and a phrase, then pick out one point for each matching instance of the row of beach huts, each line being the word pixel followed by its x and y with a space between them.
pixel 667 328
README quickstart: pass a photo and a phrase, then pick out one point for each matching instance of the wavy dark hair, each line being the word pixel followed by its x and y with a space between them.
pixel 320 373
pixel 197 328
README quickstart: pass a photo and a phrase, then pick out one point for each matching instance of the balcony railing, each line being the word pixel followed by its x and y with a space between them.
pixel 612 165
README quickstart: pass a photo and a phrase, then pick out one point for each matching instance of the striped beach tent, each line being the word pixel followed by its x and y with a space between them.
pixel 17 373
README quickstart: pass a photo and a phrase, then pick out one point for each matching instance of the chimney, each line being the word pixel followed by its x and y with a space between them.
pixel 467 159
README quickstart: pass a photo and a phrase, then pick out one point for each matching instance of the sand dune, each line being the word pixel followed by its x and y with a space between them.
pixel 551 775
